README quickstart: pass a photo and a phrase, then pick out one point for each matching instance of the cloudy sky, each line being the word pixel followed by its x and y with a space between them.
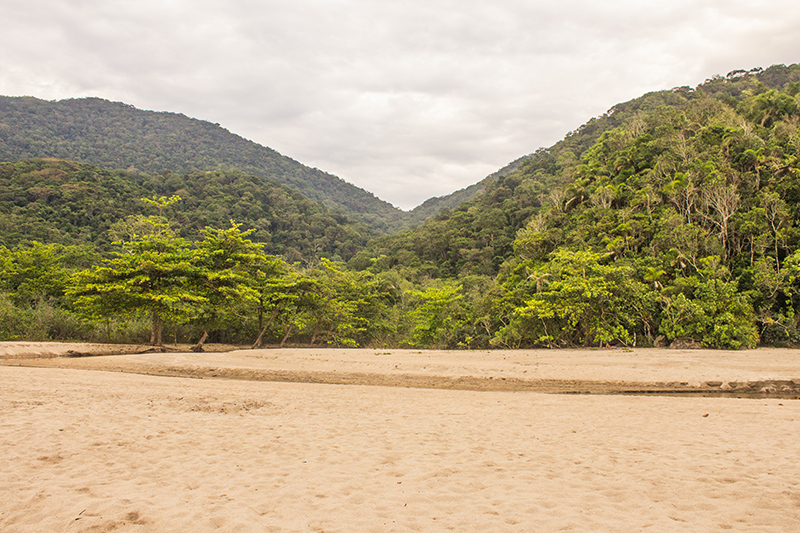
pixel 407 99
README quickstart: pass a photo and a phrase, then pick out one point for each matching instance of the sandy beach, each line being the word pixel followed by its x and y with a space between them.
pixel 396 440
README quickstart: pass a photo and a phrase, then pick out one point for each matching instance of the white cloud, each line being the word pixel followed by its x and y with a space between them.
pixel 406 99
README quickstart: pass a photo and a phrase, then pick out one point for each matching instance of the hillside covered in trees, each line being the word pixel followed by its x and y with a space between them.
pixel 673 218
pixel 63 202
pixel 113 135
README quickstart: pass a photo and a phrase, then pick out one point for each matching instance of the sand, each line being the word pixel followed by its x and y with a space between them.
pixel 96 444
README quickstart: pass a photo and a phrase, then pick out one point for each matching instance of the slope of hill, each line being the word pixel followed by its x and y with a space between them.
pixel 676 215
pixel 114 135
pixel 433 206
pixel 477 235
pixel 58 201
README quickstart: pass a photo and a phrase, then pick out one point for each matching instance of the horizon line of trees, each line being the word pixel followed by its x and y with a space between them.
pixel 676 218
pixel 224 288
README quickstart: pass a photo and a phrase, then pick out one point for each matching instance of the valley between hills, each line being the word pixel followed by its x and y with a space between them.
pixel 671 219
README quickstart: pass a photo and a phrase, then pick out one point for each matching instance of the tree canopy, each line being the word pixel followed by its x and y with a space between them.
pixel 673 218
pixel 56 201
pixel 114 135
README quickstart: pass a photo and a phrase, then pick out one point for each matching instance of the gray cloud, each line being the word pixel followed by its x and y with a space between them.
pixel 406 99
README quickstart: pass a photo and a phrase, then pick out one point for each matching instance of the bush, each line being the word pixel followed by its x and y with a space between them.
pixel 709 309
pixel 14 322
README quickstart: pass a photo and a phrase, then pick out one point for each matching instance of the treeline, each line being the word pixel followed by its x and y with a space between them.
pixel 674 218
pixel 56 201
pixel 158 286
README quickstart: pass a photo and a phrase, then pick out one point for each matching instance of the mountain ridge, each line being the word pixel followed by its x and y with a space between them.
pixel 115 135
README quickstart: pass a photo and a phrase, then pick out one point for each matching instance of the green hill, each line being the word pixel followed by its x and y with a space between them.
pixel 114 135
pixel 476 235
pixel 674 215
pixel 57 201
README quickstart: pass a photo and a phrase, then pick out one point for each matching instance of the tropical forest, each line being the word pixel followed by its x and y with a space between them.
pixel 672 219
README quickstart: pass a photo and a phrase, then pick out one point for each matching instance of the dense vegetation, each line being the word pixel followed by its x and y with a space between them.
pixel 55 201
pixel 157 285
pixel 672 218
pixel 114 135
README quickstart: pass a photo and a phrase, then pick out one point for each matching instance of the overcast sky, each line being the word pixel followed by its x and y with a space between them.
pixel 407 99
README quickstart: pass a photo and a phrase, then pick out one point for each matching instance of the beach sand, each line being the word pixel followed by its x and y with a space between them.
pixel 97 444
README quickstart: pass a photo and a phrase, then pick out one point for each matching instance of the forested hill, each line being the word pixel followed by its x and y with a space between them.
pixel 476 236
pixel 68 203
pixel 676 214
pixel 673 218
pixel 114 135
pixel 433 206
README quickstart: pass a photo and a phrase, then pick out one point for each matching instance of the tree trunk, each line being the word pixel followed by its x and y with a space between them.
pixel 257 344
pixel 288 332
pixel 314 336
pixel 199 346
pixel 155 328
pixel 260 312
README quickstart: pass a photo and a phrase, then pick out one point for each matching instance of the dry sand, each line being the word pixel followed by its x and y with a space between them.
pixel 93 444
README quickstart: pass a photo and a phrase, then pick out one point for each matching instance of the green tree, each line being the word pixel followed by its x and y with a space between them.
pixel 38 271
pixel 709 308
pixel 226 263
pixel 349 306
pixel 582 300
pixel 153 274
pixel 438 317
pixel 283 295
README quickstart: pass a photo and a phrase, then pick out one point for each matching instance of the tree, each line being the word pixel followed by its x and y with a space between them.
pixel 283 293
pixel 709 308
pixel 36 271
pixel 154 274
pixel 346 305
pixel 582 301
pixel 32 282
pixel 437 317
pixel 225 262
pixel 724 200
